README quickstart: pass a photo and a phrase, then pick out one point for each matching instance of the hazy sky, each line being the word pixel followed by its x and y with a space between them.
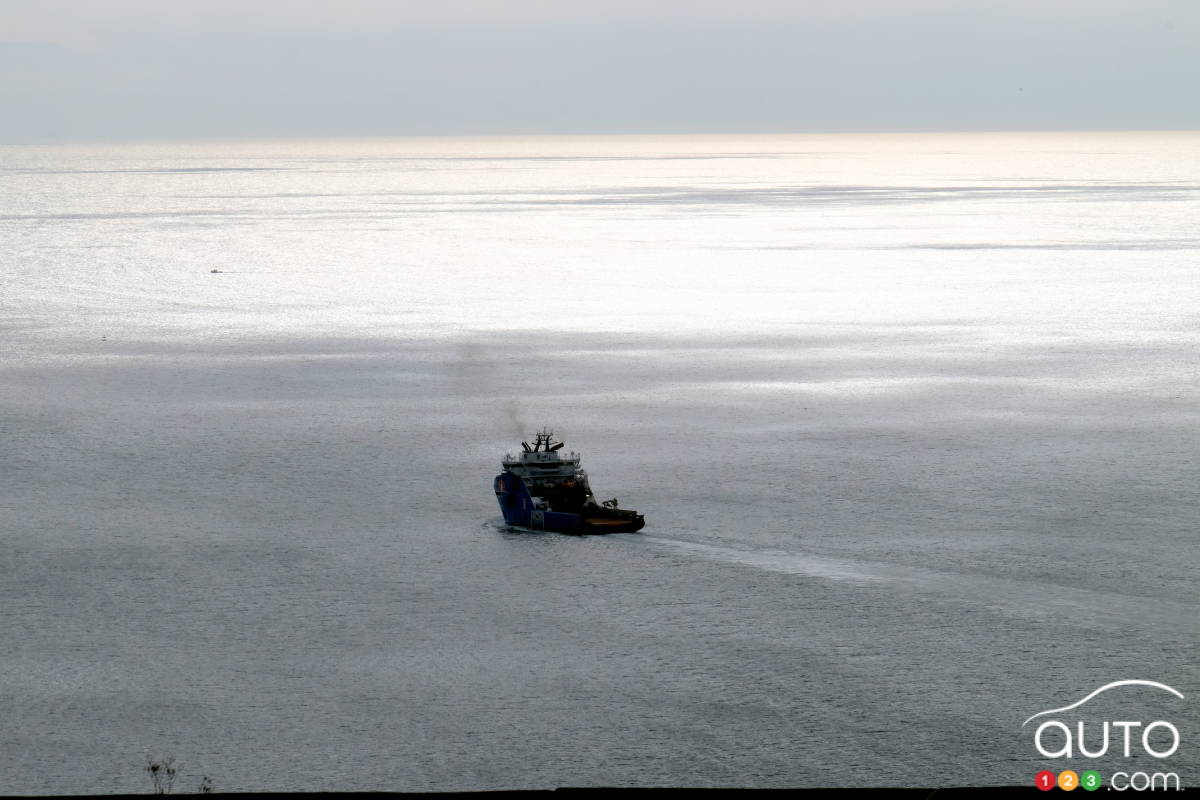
pixel 115 69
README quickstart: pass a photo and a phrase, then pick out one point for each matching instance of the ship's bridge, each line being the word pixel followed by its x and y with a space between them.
pixel 542 458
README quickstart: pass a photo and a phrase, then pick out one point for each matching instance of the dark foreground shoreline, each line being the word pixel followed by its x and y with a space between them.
pixel 907 793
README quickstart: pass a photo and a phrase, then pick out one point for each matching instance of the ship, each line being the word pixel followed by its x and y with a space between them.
pixel 542 489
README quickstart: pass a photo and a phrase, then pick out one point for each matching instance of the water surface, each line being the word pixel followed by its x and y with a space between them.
pixel 912 419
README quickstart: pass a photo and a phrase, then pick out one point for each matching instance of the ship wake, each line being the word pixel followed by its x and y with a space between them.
pixel 1028 598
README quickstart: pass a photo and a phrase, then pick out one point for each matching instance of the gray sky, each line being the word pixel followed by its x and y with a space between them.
pixel 137 69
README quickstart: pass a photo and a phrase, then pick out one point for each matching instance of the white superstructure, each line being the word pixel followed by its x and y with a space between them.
pixel 542 466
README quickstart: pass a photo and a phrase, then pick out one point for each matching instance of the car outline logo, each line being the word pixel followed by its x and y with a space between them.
pixel 1102 689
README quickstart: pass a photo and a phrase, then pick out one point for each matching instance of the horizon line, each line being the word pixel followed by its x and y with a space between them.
pixel 293 137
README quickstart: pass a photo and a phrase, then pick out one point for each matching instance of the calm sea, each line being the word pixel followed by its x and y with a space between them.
pixel 914 422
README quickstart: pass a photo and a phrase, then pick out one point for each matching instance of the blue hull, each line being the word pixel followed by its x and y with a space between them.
pixel 517 506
